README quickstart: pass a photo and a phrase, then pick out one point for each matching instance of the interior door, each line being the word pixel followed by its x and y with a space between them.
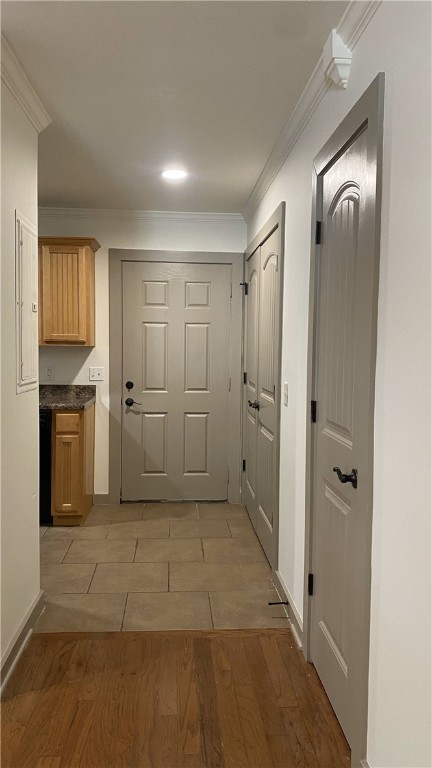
pixel 176 342
pixel 262 392
pixel 343 433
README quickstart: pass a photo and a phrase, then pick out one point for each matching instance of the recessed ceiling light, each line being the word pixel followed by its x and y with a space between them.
pixel 174 174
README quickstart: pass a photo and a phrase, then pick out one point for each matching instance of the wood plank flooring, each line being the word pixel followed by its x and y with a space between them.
pixel 197 699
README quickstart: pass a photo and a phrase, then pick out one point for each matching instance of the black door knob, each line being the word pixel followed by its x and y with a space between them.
pixel 255 404
pixel 352 478
pixel 129 385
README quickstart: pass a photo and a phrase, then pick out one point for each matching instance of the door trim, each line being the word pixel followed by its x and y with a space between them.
pixel 368 110
pixel 116 257
pixel 275 222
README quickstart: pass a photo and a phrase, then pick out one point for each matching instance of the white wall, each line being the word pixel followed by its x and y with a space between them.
pixel 178 232
pixel 397 42
pixel 19 413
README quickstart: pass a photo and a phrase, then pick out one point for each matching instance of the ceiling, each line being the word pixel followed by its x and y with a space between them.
pixel 134 87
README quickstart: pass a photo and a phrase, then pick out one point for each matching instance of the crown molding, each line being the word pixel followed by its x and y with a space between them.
pixel 125 215
pixel 20 86
pixel 350 29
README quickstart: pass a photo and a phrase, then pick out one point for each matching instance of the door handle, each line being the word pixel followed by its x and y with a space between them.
pixel 130 402
pixel 352 478
pixel 255 404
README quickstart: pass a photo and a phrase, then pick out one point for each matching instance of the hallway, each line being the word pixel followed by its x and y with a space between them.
pixel 238 699
pixel 165 566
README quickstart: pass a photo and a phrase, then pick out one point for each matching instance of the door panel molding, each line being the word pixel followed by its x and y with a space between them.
pixel 262 353
pixel 367 112
pixel 156 293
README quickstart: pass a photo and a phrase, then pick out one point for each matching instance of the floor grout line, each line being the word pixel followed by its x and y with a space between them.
pixel 91 580
pixel 211 612
pixel 124 611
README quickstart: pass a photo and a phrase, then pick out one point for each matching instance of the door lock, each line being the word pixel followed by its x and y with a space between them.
pixel 129 385
pixel 352 478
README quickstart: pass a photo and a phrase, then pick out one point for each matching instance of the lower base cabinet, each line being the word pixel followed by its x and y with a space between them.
pixel 73 466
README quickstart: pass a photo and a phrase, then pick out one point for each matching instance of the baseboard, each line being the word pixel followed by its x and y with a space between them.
pixel 20 639
pixel 364 764
pixel 101 498
pixel 295 621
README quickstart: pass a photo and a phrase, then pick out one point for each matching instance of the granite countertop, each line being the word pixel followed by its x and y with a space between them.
pixel 66 397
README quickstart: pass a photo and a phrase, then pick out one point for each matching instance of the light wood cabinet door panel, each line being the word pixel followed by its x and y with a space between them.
pixel 68 480
pixel 66 291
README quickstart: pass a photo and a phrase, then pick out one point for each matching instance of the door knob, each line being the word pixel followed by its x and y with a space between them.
pixel 352 478
pixel 255 404
pixel 130 402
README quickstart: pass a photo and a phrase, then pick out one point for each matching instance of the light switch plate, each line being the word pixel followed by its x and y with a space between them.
pixel 285 393
pixel 96 374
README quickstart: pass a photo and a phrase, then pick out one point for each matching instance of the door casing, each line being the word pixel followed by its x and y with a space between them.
pixel 116 257
pixel 276 222
pixel 368 110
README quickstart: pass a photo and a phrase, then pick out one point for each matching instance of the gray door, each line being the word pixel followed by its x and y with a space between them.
pixel 176 343
pixel 261 411
pixel 343 433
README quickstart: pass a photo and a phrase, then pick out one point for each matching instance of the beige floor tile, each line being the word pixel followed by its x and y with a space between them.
pixel 167 610
pixel 103 514
pixel 257 575
pixel 170 511
pixel 226 511
pixel 66 578
pixel 82 613
pixel 244 610
pixel 101 551
pixel 168 550
pixel 233 550
pixel 242 528
pixel 42 530
pixel 130 577
pixel 203 577
pixel 199 529
pixel 141 529
pixel 77 532
pixel 53 551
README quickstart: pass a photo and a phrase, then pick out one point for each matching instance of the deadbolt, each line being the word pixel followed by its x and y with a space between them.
pixel 129 385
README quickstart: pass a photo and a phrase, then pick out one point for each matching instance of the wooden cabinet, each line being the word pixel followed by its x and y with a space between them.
pixel 72 465
pixel 67 290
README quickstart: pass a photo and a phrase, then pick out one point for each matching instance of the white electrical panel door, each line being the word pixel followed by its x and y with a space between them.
pixel 26 295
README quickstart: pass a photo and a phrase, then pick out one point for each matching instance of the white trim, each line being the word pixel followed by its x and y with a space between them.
pixel 350 29
pixel 364 764
pixel 297 616
pixel 20 86
pixel 106 213
pixel 26 618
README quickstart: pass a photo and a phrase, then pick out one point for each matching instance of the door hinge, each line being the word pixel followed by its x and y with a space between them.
pixel 313 411
pixel 244 465
pixel 229 384
pixel 310 584
pixel 246 288
pixel 318 232
pixel 244 377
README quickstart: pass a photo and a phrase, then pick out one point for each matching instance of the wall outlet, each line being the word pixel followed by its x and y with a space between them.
pixel 96 374
pixel 285 393
pixel 50 372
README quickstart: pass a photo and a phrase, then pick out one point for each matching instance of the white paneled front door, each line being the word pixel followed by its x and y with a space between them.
pixel 176 349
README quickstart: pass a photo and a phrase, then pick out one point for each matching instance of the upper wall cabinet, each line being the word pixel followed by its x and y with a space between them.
pixel 67 290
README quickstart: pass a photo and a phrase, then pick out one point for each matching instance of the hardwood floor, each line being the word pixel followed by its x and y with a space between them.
pixel 201 699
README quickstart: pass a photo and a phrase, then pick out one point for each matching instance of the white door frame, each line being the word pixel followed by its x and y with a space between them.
pixel 368 110
pixel 116 257
pixel 275 222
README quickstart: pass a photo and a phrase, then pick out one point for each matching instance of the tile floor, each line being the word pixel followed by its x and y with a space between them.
pixel 157 567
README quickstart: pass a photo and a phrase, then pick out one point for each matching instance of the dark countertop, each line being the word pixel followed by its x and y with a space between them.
pixel 66 397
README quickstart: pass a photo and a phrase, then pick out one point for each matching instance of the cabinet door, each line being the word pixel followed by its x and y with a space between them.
pixel 68 480
pixel 66 281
